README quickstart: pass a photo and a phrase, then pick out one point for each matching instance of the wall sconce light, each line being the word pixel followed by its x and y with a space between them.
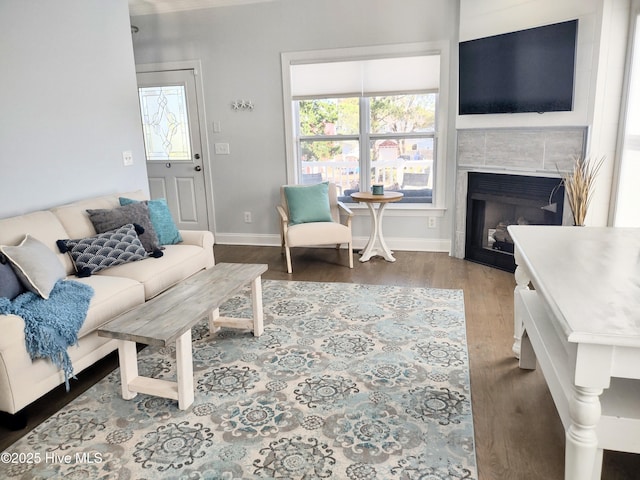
pixel 242 105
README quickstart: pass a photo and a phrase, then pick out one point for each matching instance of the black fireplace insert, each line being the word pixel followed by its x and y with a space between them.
pixel 495 201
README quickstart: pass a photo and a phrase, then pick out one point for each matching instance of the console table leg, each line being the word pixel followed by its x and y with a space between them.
pixel 528 359
pixel 128 358
pixel 582 457
pixel 522 278
pixel 184 367
pixel 258 314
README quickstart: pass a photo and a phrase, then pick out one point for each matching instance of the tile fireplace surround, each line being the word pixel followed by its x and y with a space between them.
pixel 538 152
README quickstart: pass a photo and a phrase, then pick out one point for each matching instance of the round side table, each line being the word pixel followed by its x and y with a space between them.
pixel 376 244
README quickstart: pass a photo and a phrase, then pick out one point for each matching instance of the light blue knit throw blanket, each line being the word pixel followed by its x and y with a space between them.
pixel 52 325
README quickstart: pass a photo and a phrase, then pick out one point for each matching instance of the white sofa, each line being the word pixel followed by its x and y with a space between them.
pixel 117 290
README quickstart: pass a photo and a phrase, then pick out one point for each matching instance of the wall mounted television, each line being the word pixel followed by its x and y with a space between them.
pixel 525 71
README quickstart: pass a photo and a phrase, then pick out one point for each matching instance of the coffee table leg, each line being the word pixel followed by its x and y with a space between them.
pixel 213 315
pixel 128 357
pixel 184 366
pixel 258 314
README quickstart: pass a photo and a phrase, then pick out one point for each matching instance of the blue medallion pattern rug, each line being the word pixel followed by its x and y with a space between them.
pixel 348 382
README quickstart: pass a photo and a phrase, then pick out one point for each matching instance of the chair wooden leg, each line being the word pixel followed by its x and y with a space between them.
pixel 350 255
pixel 288 254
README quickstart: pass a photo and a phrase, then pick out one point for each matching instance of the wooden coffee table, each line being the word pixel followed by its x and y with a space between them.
pixel 169 317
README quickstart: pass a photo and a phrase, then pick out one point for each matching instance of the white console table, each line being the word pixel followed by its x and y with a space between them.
pixel 581 324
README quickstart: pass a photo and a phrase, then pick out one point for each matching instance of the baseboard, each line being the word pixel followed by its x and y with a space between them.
pixel 395 243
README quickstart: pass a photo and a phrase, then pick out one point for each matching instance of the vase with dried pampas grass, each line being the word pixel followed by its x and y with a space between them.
pixel 579 185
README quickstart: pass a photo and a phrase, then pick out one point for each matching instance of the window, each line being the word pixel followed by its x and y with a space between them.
pixel 368 140
pixel 358 123
pixel 628 194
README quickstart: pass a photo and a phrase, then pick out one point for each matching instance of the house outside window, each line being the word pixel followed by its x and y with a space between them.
pixel 359 123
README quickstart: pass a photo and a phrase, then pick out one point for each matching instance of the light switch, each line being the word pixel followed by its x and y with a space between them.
pixel 221 148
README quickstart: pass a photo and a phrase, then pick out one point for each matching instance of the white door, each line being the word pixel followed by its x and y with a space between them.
pixel 171 129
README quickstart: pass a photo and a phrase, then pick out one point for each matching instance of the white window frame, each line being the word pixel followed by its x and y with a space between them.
pixel 356 53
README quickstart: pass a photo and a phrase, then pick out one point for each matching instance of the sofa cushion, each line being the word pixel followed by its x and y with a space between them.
pixel 10 285
pixel 105 220
pixel 75 219
pixel 112 297
pixel 308 203
pixel 43 225
pixel 104 250
pixel 35 264
pixel 177 263
pixel 165 227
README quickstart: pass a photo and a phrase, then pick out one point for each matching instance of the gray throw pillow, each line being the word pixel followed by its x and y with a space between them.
pixel 10 286
pixel 138 214
pixel 37 267
pixel 167 230
pixel 108 249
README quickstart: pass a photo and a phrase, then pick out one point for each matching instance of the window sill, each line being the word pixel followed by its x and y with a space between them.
pixel 401 209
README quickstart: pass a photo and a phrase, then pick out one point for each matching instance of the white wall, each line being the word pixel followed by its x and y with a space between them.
pixel 69 103
pixel 239 49
pixel 493 17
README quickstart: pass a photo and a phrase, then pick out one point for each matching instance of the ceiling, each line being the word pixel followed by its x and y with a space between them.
pixel 146 7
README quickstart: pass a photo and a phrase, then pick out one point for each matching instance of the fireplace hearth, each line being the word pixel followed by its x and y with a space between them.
pixel 495 201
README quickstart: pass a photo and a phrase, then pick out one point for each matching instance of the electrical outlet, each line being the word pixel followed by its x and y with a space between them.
pixel 221 148
pixel 247 217
pixel 127 158
pixel 433 222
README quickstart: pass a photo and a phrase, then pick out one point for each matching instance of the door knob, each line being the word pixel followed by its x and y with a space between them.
pixel 198 168
pixel 197 156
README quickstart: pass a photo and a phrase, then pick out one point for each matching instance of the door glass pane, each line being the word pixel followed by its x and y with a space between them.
pixel 165 123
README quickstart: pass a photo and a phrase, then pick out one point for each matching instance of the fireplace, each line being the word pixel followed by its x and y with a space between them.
pixel 495 201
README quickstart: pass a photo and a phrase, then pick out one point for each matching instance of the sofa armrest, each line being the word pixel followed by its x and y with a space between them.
pixel 12 328
pixel 201 238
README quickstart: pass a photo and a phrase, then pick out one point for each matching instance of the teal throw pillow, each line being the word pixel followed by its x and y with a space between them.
pixel 161 219
pixel 308 203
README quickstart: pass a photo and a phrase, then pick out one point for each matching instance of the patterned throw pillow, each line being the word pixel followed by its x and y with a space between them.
pixel 105 220
pixel 92 254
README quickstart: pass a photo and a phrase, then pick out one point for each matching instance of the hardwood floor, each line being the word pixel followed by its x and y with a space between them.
pixel 518 433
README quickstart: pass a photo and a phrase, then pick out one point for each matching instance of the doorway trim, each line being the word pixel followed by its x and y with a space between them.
pixel 196 66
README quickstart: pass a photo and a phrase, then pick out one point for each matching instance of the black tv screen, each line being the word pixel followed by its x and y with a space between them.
pixel 526 71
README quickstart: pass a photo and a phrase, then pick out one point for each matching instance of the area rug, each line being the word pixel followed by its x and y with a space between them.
pixel 348 381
